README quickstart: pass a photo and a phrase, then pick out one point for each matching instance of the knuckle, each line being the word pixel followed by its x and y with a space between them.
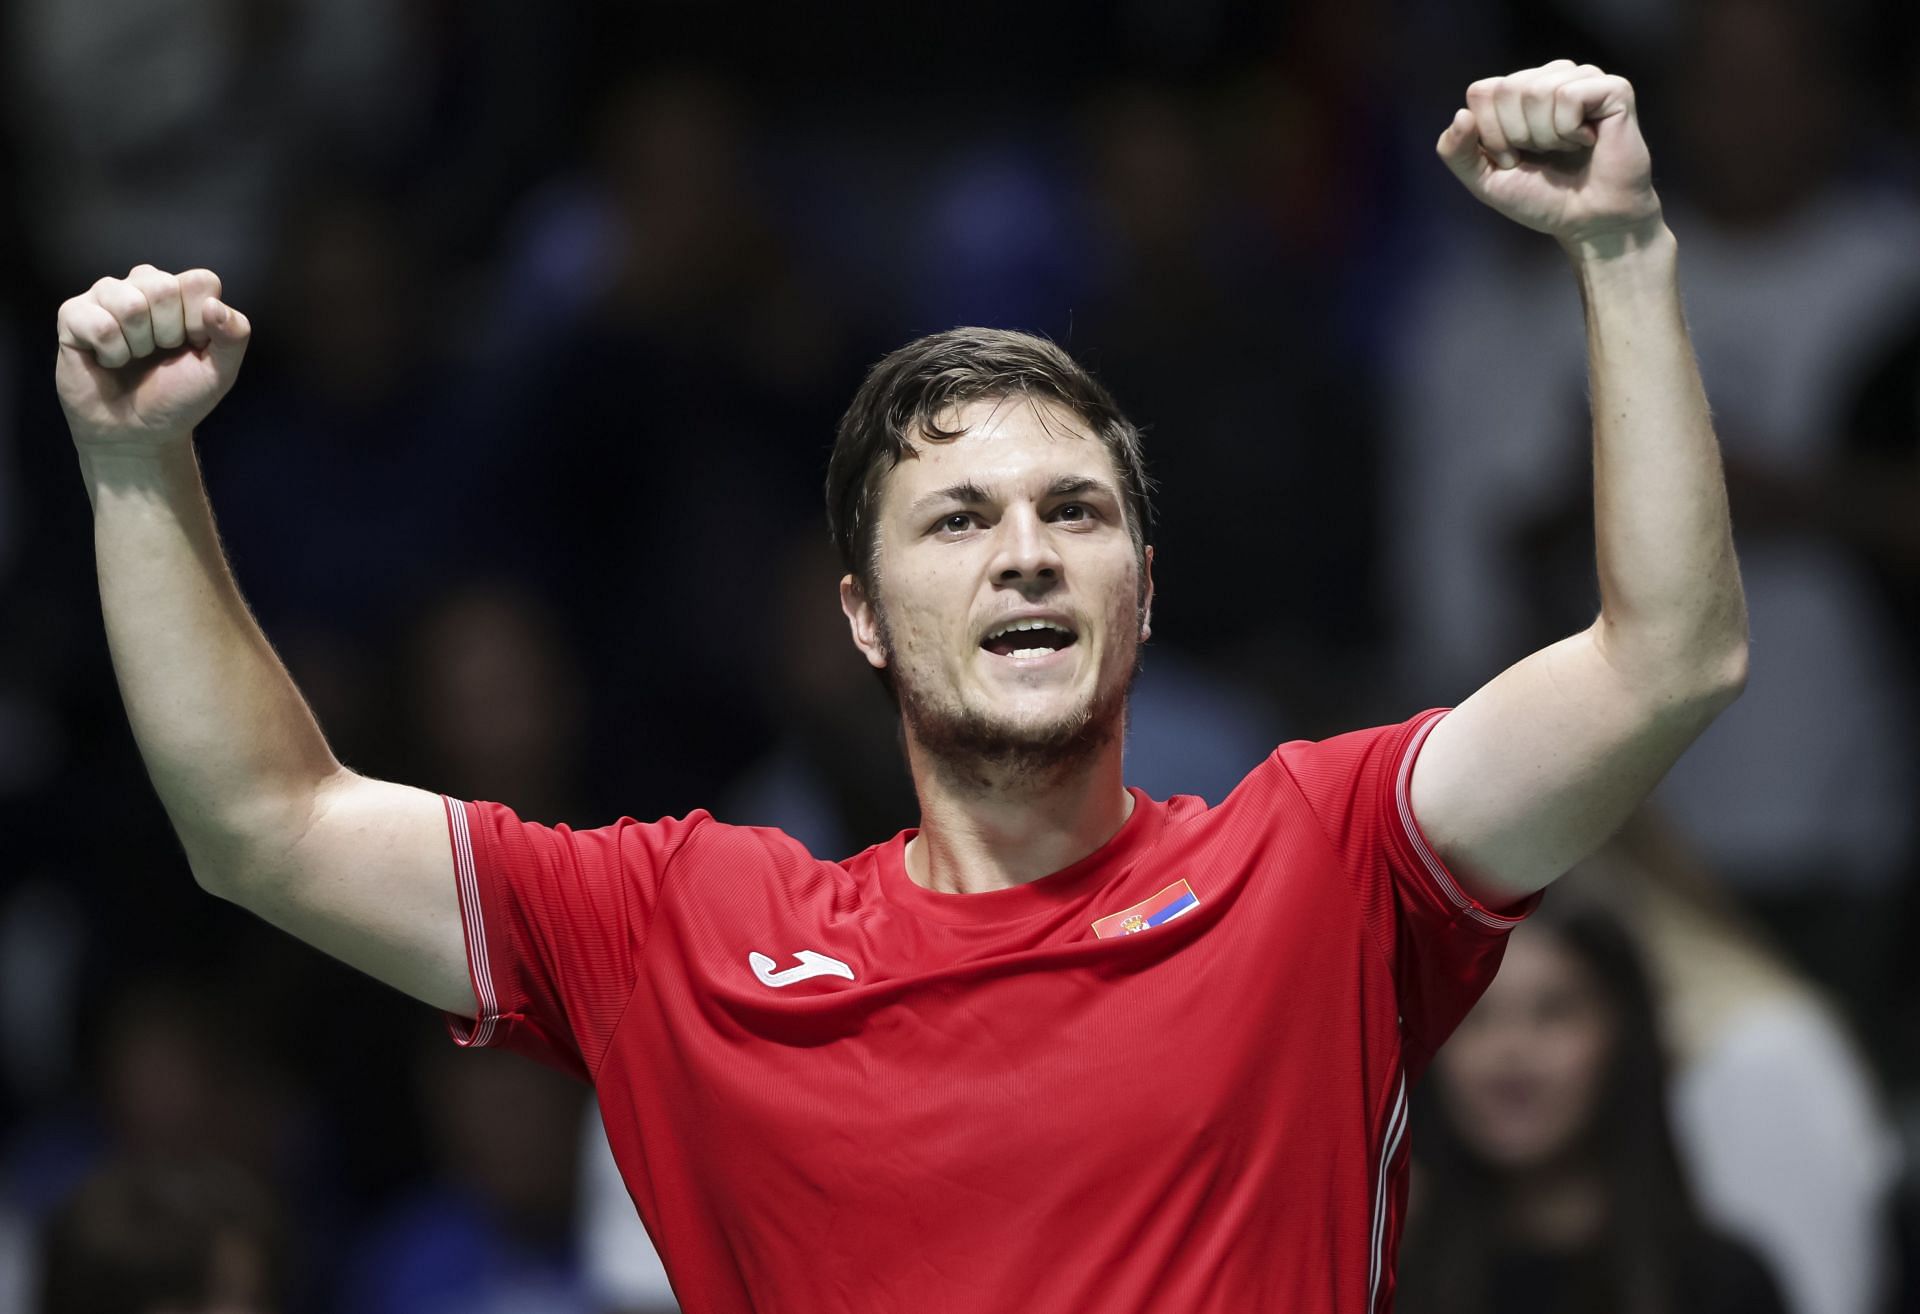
pixel 124 300
pixel 1483 89
pixel 156 283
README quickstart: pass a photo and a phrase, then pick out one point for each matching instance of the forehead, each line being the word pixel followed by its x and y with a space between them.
pixel 1008 446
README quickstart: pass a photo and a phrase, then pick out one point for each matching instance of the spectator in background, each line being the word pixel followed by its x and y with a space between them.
pixel 491 1231
pixel 1547 1180
pixel 1778 1120
pixel 176 1079
pixel 163 1236
pixel 1798 270
pixel 237 101
pixel 833 778
pixel 667 239
pixel 1803 793
pixel 624 1274
pixel 1873 505
pixel 700 353
pixel 180 169
pixel 496 687
pixel 496 690
pixel 1222 337
pixel 377 432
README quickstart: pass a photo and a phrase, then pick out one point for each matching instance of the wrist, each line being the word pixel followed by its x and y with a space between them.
pixel 1647 242
pixel 151 460
pixel 134 450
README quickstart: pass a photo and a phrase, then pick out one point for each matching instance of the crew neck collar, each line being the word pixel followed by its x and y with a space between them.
pixel 1042 894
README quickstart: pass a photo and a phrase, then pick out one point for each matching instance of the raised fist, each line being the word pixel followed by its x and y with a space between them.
pixel 1557 148
pixel 144 358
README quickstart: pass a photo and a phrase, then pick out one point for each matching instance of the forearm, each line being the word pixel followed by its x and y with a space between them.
pixel 1673 617
pixel 232 749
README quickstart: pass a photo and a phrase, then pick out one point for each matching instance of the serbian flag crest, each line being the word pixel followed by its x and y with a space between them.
pixel 1170 903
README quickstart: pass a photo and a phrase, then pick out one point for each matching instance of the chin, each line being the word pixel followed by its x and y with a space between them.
pixel 1519 1153
pixel 1047 737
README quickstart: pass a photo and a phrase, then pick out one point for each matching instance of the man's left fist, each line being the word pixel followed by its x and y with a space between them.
pixel 1557 148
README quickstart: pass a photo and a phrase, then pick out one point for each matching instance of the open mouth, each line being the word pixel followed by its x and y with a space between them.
pixel 1028 639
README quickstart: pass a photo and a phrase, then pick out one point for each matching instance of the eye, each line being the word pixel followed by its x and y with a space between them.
pixel 957 523
pixel 1075 512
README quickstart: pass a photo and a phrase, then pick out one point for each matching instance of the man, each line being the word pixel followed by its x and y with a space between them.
pixel 1064 1047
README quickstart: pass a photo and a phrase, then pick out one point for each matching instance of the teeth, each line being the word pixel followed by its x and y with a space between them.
pixel 1016 626
pixel 1032 652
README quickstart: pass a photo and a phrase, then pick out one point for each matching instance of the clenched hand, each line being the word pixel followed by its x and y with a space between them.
pixel 1557 148
pixel 145 358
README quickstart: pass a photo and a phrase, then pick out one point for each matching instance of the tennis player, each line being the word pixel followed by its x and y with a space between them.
pixel 1063 1047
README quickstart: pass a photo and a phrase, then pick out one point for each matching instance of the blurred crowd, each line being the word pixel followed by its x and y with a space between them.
pixel 555 308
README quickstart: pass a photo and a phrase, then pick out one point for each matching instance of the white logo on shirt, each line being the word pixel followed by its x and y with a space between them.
pixel 811 964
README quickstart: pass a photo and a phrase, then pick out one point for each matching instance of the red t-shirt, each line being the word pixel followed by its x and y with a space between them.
pixel 1171 1076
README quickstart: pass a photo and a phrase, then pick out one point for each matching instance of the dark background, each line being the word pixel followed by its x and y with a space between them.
pixel 555 308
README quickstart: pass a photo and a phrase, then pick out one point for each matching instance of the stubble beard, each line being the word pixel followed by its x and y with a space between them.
pixel 969 743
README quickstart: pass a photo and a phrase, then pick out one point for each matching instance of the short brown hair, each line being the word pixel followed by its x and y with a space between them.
pixel 905 393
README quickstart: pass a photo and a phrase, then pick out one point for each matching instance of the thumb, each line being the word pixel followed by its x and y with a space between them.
pixel 228 332
pixel 1459 148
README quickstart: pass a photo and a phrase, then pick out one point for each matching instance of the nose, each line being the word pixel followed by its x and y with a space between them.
pixel 1024 552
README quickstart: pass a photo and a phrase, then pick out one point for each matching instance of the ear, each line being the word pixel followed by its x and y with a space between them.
pixel 864 622
pixel 1146 596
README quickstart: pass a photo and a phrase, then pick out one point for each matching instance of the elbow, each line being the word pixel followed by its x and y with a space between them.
pixel 1723 662
pixel 1719 685
pixel 233 852
pixel 1713 682
pixel 209 883
pixel 225 863
pixel 213 874
pixel 1680 676
pixel 1733 673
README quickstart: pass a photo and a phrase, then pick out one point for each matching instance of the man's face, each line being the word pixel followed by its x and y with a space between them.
pixel 1020 520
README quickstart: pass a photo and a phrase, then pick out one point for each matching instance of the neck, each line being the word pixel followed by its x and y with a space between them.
pixel 987 826
pixel 1558 1208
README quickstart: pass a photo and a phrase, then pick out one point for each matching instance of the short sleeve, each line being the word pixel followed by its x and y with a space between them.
pixel 555 921
pixel 1442 944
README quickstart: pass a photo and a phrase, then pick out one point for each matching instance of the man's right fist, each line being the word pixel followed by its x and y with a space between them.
pixel 144 358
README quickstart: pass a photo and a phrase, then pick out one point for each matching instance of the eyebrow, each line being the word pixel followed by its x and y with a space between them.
pixel 972 494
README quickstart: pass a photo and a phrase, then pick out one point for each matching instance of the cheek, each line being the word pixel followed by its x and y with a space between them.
pixel 1581 1057
pixel 1462 1058
pixel 917 635
pixel 1461 1071
pixel 1125 610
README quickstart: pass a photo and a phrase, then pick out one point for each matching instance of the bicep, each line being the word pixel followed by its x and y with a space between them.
pixel 1536 769
pixel 370 881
